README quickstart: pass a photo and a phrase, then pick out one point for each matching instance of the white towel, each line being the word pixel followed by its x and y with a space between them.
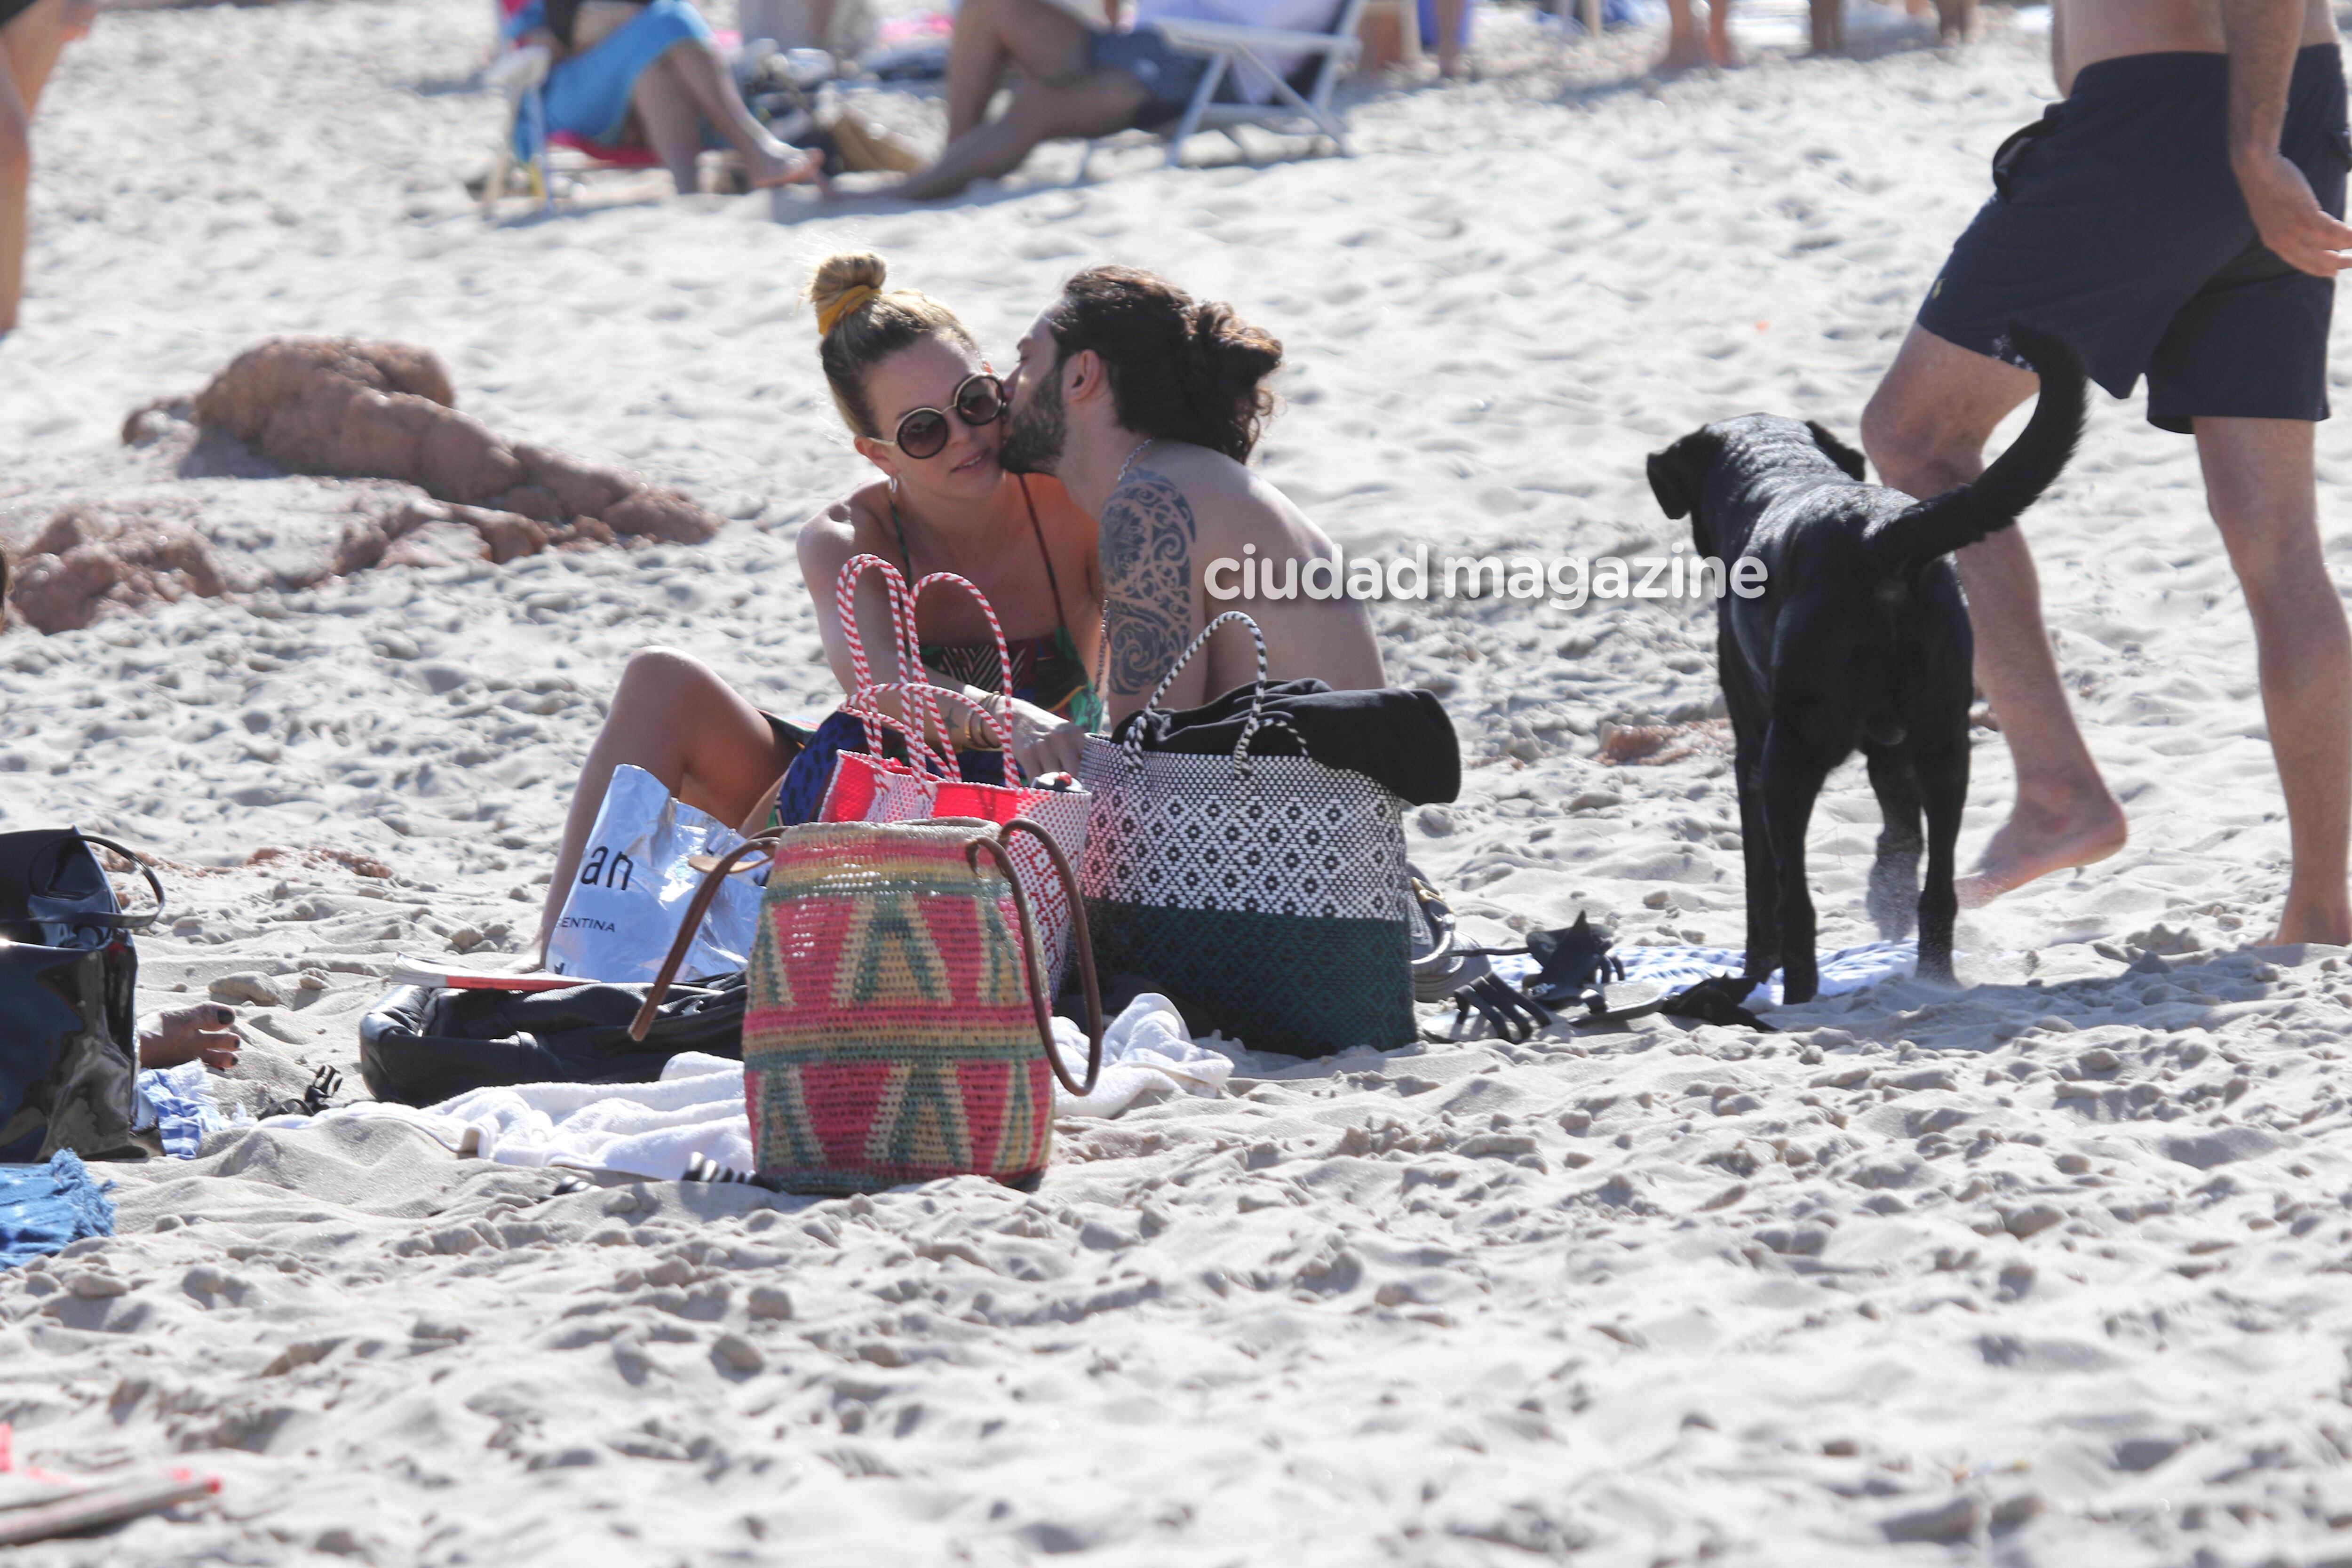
pixel 654 1130
pixel 1848 969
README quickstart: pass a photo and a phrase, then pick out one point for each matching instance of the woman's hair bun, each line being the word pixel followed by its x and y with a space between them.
pixel 858 326
pixel 837 274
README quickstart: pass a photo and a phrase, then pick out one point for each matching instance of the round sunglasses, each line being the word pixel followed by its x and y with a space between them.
pixel 923 432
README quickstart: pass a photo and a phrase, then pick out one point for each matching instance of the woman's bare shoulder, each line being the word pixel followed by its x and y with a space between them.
pixel 858 520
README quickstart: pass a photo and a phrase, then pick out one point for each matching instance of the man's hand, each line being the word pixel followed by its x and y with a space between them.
pixel 1045 743
pixel 2289 218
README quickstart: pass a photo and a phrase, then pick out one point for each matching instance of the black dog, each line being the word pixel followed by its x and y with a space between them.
pixel 1859 639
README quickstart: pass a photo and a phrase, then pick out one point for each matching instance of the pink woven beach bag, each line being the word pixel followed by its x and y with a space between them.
pixel 898 1028
pixel 867 787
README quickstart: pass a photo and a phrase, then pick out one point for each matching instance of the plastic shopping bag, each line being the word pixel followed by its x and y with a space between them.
pixel 635 882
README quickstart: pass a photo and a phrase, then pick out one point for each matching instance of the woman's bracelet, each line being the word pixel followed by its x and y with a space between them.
pixel 997 706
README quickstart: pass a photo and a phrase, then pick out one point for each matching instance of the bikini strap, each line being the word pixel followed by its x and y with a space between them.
pixel 1038 531
pixel 1061 615
pixel 905 554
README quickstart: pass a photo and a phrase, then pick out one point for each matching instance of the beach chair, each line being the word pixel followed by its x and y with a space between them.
pixel 1302 102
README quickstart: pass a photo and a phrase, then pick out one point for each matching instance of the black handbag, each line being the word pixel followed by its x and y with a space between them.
pixel 420 1046
pixel 69 980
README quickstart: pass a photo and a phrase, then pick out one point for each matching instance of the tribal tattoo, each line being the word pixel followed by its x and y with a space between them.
pixel 1147 564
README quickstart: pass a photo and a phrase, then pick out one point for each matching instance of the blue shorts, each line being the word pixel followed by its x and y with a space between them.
pixel 1169 75
pixel 589 94
pixel 2118 224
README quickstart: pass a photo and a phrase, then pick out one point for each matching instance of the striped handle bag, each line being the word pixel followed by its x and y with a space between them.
pixel 867 787
pixel 1265 895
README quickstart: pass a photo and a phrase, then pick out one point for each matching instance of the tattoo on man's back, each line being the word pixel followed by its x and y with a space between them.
pixel 1146 564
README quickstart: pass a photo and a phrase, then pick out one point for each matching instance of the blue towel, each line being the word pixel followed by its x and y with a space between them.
pixel 44 1207
pixel 589 94
pixel 178 1103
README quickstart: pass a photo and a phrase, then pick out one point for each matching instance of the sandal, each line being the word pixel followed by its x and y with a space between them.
pixel 1444 969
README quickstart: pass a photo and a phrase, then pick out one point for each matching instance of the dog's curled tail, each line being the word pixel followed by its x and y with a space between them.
pixel 2016 479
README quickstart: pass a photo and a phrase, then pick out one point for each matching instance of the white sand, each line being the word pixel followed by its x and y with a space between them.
pixel 2050 1264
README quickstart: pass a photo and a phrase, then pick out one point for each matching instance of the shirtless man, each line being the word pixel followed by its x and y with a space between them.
pixel 2177 216
pixel 1145 405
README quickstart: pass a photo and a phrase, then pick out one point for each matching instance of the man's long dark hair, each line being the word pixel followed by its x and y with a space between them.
pixel 1179 369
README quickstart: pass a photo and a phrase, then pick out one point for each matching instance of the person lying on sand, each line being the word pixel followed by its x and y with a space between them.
pixel 646 73
pixel 33 33
pixel 1144 403
pixel 1080 80
pixel 923 408
pixel 2178 214
pixel 204 1032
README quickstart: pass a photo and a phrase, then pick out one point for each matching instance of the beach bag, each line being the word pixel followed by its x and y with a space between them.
pixel 898 1028
pixel 866 147
pixel 635 879
pixel 867 787
pixel 422 1044
pixel 1267 895
pixel 68 1022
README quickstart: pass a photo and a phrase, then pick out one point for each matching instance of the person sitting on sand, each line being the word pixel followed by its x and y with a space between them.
pixel 2178 215
pixel 1146 403
pixel 1079 80
pixel 33 33
pixel 923 407
pixel 206 1033
pixel 647 73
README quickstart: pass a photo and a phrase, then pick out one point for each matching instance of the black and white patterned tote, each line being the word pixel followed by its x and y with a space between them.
pixel 1265 895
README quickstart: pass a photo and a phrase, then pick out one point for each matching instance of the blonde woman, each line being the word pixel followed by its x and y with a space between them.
pixel 922 406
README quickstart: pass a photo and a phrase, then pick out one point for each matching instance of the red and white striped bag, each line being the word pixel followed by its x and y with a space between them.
pixel 867 787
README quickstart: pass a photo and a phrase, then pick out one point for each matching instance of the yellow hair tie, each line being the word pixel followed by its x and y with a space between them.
pixel 850 299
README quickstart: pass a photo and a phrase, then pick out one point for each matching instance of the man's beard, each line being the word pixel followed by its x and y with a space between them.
pixel 1035 430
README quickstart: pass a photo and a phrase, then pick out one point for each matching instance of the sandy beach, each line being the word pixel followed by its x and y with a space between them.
pixel 2047 1268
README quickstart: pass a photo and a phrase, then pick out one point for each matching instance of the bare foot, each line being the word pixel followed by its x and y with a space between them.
pixel 1673 62
pixel 790 166
pixel 1718 51
pixel 2034 843
pixel 187 1033
pixel 2329 924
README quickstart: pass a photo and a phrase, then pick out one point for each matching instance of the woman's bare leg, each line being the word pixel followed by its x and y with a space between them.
pixel 675 719
pixel 672 124
pixel 31 42
pixel 690 79
pixel 1449 37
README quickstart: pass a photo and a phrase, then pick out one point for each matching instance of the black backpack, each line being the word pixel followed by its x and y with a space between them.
pixel 68 1021
pixel 420 1046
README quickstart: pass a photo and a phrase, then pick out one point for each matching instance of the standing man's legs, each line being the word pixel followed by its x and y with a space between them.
pixel 2258 482
pixel 1926 428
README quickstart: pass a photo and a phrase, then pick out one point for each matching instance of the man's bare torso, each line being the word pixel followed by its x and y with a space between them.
pixel 2083 32
pixel 1182 508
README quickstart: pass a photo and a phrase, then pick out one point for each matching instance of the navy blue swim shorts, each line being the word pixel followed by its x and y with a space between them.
pixel 1169 74
pixel 2118 224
